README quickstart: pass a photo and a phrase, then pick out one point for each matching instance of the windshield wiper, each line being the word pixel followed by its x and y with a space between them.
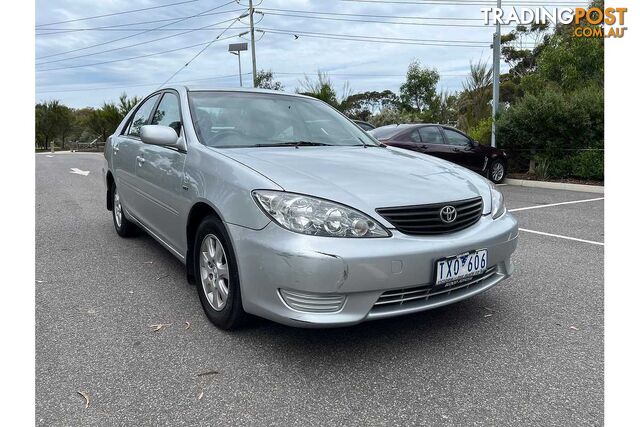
pixel 297 144
pixel 364 144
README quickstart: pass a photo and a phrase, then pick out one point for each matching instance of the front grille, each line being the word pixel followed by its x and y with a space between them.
pixel 420 294
pixel 425 219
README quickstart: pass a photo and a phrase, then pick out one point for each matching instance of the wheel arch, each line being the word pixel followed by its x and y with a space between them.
pixel 197 213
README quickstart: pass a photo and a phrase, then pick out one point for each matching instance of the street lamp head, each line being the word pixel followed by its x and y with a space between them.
pixel 237 47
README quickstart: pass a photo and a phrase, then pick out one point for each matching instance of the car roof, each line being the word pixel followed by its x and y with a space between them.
pixel 209 88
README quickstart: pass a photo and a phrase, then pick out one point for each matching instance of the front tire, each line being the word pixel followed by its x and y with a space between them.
pixel 123 226
pixel 216 274
pixel 497 171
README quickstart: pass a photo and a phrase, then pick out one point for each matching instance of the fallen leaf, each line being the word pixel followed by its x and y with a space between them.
pixel 200 395
pixel 488 315
pixel 39 281
pixel 86 398
pixel 188 325
pixel 130 292
pixel 159 326
pixel 202 374
pixel 573 327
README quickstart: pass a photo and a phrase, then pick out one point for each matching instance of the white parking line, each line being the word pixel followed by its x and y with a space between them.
pixel 555 204
pixel 562 237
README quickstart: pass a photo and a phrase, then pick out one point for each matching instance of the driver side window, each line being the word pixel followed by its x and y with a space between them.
pixel 141 117
pixel 456 138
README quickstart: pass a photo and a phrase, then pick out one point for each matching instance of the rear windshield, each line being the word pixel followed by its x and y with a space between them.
pixel 386 132
pixel 250 119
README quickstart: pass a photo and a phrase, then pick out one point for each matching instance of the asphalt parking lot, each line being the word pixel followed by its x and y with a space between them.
pixel 527 352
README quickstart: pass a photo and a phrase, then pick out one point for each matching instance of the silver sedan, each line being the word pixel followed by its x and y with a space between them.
pixel 279 206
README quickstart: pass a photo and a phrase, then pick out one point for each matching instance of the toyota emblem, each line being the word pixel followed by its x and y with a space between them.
pixel 448 214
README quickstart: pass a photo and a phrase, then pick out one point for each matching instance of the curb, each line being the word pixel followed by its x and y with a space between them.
pixel 556 185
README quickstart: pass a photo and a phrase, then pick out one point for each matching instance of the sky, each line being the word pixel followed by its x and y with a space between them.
pixel 138 63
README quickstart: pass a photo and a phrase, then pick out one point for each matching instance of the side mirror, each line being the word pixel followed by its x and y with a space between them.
pixel 161 135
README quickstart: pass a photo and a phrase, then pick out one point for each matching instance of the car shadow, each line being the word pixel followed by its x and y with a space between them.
pixel 410 336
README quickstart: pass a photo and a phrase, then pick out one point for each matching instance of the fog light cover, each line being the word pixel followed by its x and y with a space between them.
pixel 312 303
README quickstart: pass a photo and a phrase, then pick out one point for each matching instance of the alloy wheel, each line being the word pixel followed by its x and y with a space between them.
pixel 497 171
pixel 214 272
pixel 117 207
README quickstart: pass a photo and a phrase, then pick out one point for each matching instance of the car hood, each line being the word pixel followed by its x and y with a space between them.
pixel 365 178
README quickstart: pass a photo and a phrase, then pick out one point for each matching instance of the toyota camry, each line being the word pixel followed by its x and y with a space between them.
pixel 281 207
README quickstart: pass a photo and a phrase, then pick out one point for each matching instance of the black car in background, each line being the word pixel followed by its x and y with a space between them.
pixel 447 143
pixel 365 126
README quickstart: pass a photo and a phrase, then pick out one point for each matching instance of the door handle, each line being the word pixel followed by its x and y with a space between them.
pixel 140 160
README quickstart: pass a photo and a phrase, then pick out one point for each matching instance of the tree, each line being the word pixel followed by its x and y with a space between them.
pixel 476 96
pixel 418 92
pixel 265 80
pixel 365 104
pixel 47 124
pixel 104 121
pixel 126 104
pixel 323 89
pixel 65 119
pixel 445 109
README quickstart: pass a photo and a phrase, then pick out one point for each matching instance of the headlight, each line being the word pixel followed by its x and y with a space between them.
pixel 497 203
pixel 316 217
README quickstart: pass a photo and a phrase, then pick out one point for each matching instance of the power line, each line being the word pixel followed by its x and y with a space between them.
pixel 129 36
pixel 119 27
pixel 469 3
pixel 133 57
pixel 338 37
pixel 202 50
pixel 135 44
pixel 116 13
pixel 368 15
pixel 138 85
pixel 391 39
pixel 382 22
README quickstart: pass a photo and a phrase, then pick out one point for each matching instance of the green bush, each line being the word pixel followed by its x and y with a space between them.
pixel 589 165
pixel 556 126
pixel 482 131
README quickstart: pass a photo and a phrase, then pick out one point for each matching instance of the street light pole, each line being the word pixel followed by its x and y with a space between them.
pixel 236 48
pixel 253 41
pixel 239 69
pixel 496 78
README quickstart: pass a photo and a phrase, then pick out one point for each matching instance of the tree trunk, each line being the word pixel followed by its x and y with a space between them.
pixel 532 162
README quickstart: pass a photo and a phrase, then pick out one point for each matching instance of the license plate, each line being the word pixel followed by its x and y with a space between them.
pixel 458 268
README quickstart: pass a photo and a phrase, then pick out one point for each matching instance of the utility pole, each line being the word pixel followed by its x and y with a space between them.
pixel 496 78
pixel 253 41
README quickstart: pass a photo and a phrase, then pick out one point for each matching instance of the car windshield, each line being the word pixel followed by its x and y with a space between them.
pixel 250 119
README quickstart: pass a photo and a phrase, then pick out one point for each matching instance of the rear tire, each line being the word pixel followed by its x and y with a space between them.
pixel 216 275
pixel 497 171
pixel 123 226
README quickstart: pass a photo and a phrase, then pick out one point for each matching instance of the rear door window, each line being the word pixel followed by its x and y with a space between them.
pixel 431 135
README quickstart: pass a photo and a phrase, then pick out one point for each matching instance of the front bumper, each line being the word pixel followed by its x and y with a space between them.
pixel 361 270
